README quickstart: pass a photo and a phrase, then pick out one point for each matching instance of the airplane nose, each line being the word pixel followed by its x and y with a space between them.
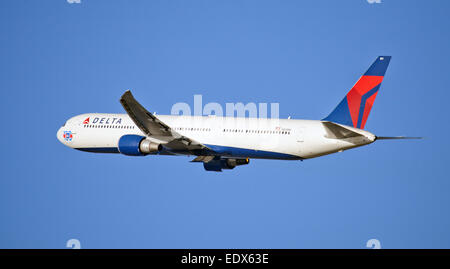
pixel 59 135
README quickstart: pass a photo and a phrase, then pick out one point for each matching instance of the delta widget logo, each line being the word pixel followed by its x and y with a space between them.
pixel 68 136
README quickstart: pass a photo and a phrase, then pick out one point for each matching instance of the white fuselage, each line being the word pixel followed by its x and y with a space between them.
pixel 235 137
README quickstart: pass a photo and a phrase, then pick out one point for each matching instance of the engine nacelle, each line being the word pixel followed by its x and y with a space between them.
pixel 146 146
pixel 232 163
pixel 136 145
pixel 218 165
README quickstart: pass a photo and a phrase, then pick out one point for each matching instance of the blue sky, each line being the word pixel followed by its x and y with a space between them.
pixel 59 60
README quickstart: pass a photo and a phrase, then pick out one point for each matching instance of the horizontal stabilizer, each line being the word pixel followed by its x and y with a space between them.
pixel 396 137
pixel 337 131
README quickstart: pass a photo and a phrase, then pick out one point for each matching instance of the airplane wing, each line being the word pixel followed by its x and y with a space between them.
pixel 337 131
pixel 153 127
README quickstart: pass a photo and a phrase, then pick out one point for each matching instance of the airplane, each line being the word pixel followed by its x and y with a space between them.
pixel 226 142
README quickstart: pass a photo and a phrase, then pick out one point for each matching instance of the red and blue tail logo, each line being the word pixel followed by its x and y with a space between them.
pixel 354 109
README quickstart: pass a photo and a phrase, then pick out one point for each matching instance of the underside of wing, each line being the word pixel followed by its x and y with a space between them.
pixel 204 159
pixel 153 127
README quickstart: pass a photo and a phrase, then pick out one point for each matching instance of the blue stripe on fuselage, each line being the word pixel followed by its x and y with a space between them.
pixel 100 150
pixel 250 153
pixel 216 151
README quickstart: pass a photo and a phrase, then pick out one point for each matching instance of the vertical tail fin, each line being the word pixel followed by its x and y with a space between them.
pixel 354 109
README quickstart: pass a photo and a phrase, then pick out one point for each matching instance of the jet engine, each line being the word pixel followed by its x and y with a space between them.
pixel 136 145
pixel 224 163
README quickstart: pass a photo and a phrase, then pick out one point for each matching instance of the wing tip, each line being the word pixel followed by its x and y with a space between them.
pixel 125 95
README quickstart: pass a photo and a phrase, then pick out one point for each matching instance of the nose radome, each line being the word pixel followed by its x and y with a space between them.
pixel 59 135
